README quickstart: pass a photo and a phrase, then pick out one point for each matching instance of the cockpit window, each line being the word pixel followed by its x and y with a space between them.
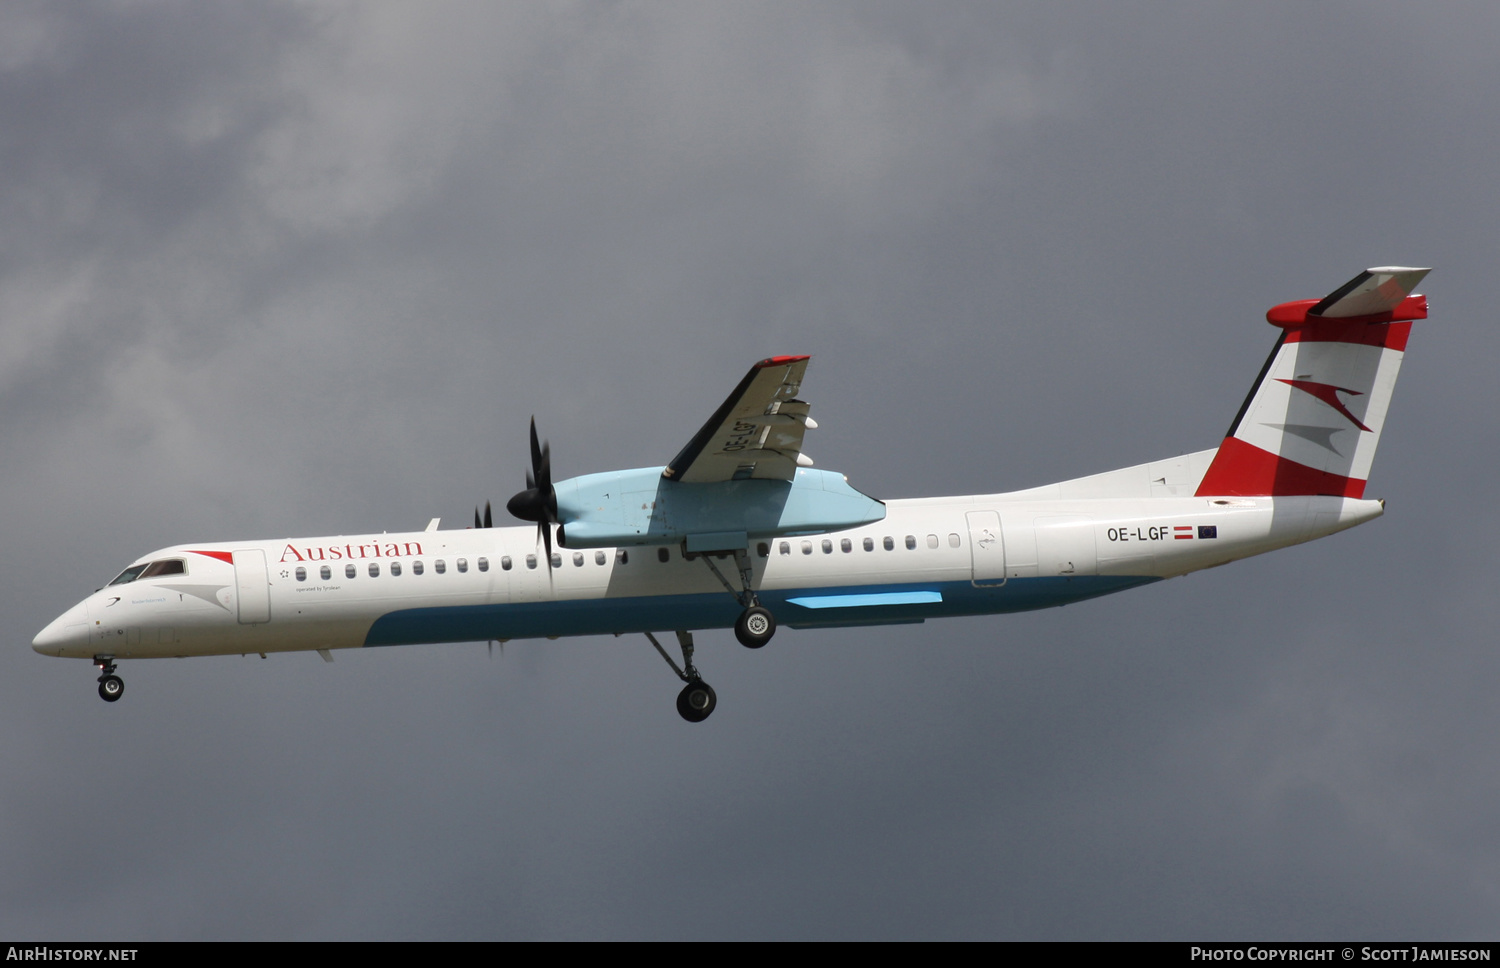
pixel 153 569
pixel 159 569
pixel 130 574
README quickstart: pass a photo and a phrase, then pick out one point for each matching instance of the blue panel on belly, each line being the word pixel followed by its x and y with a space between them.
pixel 605 616
pixel 866 598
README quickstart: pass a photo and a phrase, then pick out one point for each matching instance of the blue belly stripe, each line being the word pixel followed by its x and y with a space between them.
pixel 798 608
pixel 855 601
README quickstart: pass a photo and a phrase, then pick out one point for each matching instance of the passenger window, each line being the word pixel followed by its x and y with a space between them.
pixel 483 563
pixel 911 542
pixel 301 573
pixel 439 566
pixel 663 555
pixel 827 546
pixel 531 562
pixel 577 559
pixel 374 569
pixel 505 562
pixel 786 548
pixel 622 557
pixel 807 547
pixel 869 544
pixel 763 549
pixel 325 572
pixel 600 557
pixel 953 541
pixel 932 541
pixel 462 564
pixel 557 559
pixel 845 546
pixel 396 568
pixel 890 545
pixel 416 567
pixel 349 571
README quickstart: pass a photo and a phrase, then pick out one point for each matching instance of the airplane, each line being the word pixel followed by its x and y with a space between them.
pixel 741 531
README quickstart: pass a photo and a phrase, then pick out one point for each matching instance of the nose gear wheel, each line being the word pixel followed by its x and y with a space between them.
pixel 111 686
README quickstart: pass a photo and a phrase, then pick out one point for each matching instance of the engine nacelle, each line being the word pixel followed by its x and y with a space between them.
pixel 640 507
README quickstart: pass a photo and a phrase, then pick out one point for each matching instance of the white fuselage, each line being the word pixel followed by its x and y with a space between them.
pixel 927 558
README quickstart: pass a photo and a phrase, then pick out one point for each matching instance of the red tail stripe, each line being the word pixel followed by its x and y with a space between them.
pixel 1244 470
pixel 1392 336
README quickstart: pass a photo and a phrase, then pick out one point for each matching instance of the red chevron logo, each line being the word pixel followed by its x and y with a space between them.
pixel 1328 393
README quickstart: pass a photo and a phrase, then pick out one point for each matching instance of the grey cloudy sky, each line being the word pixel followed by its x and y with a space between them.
pixel 281 269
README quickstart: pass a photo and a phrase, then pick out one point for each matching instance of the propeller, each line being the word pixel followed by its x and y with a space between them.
pixel 539 501
pixel 488 522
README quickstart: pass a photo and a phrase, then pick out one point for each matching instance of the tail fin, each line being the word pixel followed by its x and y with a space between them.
pixel 1311 422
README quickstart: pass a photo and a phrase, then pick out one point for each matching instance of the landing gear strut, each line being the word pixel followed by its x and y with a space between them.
pixel 756 624
pixel 697 700
pixel 111 686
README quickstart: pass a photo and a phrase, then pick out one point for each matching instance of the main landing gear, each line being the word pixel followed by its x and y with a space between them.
pixel 753 628
pixel 756 624
pixel 111 686
pixel 697 700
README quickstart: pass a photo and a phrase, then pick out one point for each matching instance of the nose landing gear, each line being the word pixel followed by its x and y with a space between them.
pixel 111 686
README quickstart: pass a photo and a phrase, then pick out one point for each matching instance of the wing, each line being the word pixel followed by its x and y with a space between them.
pixel 756 433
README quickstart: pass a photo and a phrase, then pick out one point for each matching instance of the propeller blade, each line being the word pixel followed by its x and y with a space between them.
pixel 489 522
pixel 539 501
pixel 476 515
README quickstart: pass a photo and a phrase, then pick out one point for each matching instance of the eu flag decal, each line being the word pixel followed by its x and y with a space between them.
pixel 1208 531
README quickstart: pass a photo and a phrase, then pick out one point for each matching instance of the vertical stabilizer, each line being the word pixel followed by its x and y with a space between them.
pixel 1312 421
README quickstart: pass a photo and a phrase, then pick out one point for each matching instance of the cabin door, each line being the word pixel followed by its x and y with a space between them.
pixel 252 586
pixel 986 548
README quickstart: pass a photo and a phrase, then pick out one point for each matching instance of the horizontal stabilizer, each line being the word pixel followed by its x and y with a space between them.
pixel 1371 292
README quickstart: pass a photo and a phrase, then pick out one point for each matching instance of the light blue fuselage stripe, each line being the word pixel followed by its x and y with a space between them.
pixel 888 604
pixel 854 601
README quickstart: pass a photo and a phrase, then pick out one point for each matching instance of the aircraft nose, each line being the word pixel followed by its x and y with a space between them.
pixel 68 632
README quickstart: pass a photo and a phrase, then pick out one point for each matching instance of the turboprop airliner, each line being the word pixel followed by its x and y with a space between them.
pixel 740 531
